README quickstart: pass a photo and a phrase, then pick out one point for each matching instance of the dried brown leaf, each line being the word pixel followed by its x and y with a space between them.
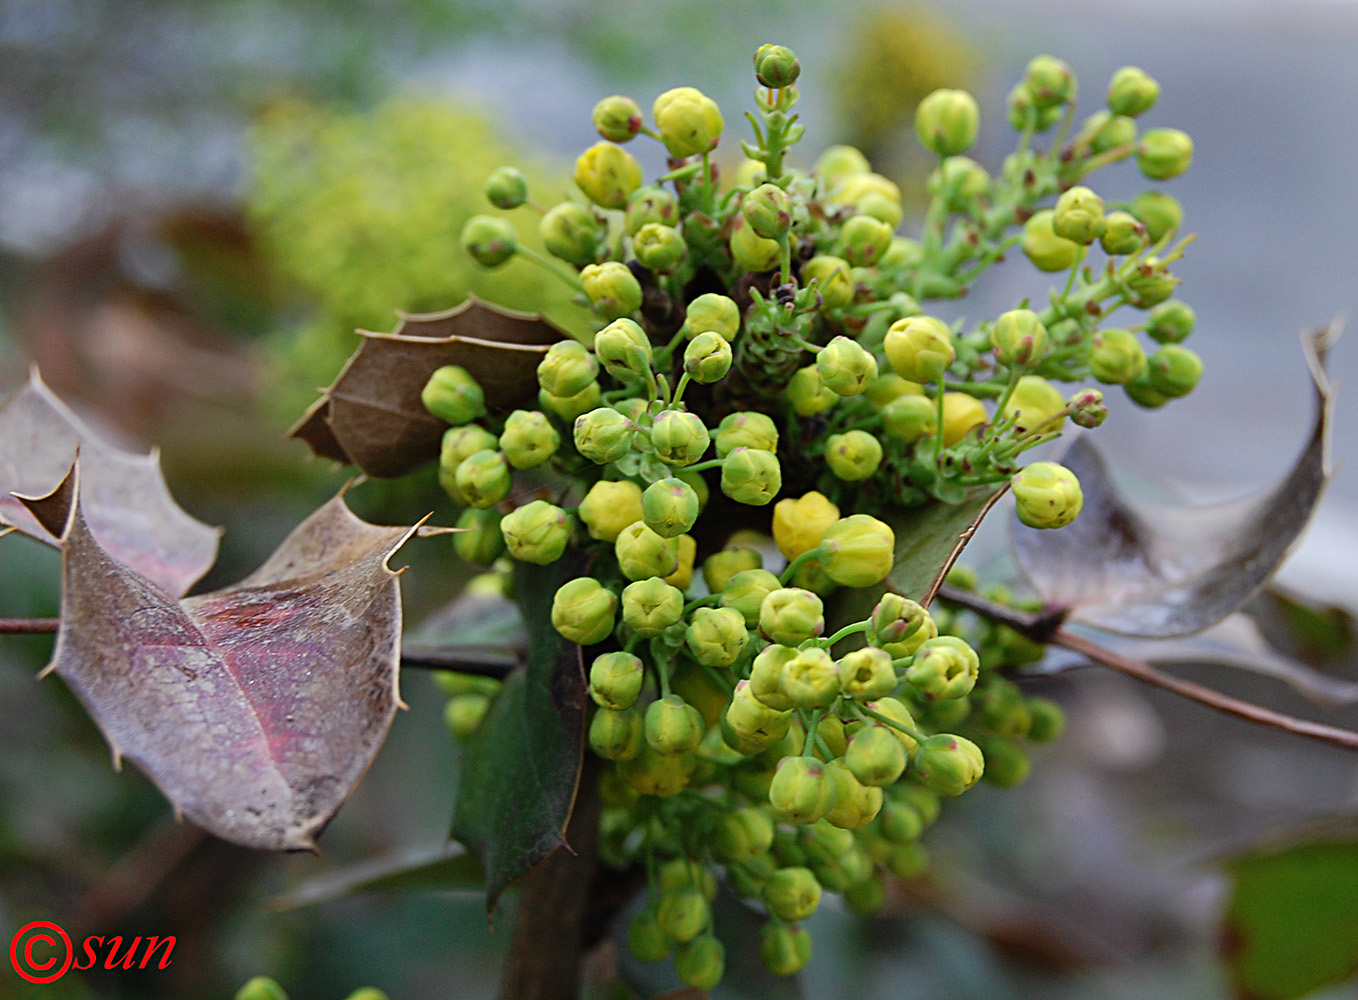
pixel 372 415
pixel 255 709
pixel 125 501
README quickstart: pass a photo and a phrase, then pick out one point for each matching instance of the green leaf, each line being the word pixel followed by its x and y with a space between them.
pixel 1291 926
pixel 522 766
pixel 474 629
pixel 447 869
pixel 929 540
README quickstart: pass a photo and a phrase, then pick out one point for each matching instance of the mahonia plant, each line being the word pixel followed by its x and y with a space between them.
pixel 765 359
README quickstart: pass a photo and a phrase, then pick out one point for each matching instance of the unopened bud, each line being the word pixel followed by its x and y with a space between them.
pixel 708 358
pixel 1164 153
pixel 776 66
pixel 688 120
pixel 1019 338
pixel 452 394
pixel 618 118
pixel 573 233
pixel 946 122
pixel 680 438
pixel 858 551
pixel 489 240
pixel 659 248
pixel 583 609
pixel 1047 495
pixel 949 765
pixel 1048 251
pixel 751 476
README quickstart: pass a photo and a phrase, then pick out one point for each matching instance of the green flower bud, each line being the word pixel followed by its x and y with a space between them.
pixel 1174 370
pixel 489 240
pixel 506 188
pixel 679 437
pixel 742 834
pixel 858 551
pixel 650 205
pixel 688 121
pixel 749 725
pixel 855 805
pixel 573 233
pixel 1104 131
pixel 846 367
pixel 900 822
pixel 1048 720
pixel 906 861
pixel 1142 393
pixel 1004 711
pixel 959 181
pixel 683 913
pixel 712 312
pixel 790 615
pixel 1035 403
pixel 612 289
pixel 669 507
pixel 785 949
pixel 608 508
pixel 651 606
pixel 873 195
pixel 618 118
pixel 949 765
pixel 751 476
pixel 768 210
pixel 853 455
pixel 700 963
pixel 367 993
pixel 833 280
pixel 751 251
pixel 1019 338
pixel 642 553
pixel 1158 212
pixel 894 710
pixel 946 122
pixel 452 394
pixel 1132 91
pixel 657 774
pixel 1151 284
pixel 867 897
pixel 1022 108
pixel 719 567
pixel 909 418
pixel 866 673
pixel 776 66
pixel 945 667
pixel 875 756
pixel 1044 248
pixel 615 680
pixel 766 676
pixel 1078 216
pixel 746 429
pixel 897 618
pixel 624 349
pixel 807 393
pixel 1049 81
pixel 919 348
pixel 462 442
pixel 645 939
pixel 1164 153
pixel 746 590
pixel 1006 765
pixel 810 680
pixel 1170 322
pixel 792 893
pixel 607 174
pixel 863 240
pixel 1116 357
pixel 659 248
pixel 673 726
pixel 583 609
pixel 616 734
pixel 568 408
pixel 1047 495
pixel 1087 408
pixel 708 358
pixel 529 439
pixel 603 435
pixel 1122 234
pixel 537 532
pixel 480 540
pixel 483 479
pixel 800 793
pixel 839 163
pixel 716 636
pixel 261 988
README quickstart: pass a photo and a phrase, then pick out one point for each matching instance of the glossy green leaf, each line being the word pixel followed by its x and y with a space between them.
pixel 1291 926
pixel 929 540
pixel 446 869
pixel 522 766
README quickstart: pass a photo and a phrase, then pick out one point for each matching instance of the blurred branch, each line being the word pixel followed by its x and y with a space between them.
pixel 1045 627
pixel 28 626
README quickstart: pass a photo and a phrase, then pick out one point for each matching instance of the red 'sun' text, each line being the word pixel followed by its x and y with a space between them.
pixel 41 952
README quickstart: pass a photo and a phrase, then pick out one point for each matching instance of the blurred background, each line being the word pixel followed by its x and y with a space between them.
pixel 200 201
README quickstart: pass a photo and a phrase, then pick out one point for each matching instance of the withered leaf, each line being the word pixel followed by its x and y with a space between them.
pixel 372 415
pixel 1173 570
pixel 125 501
pixel 255 709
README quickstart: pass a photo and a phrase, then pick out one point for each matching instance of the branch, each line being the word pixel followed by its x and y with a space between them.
pixel 1045 627
pixel 28 626
pixel 463 659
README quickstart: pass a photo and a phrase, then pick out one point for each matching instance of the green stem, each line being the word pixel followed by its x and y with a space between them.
pixel 877 716
pixel 845 632
pixel 790 570
pixel 1075 270
pixel 684 380
pixel 550 268
pixel 711 463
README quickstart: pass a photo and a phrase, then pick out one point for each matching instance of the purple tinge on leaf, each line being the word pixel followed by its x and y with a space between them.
pixel 1174 570
pixel 255 709
pixel 124 498
pixel 372 415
